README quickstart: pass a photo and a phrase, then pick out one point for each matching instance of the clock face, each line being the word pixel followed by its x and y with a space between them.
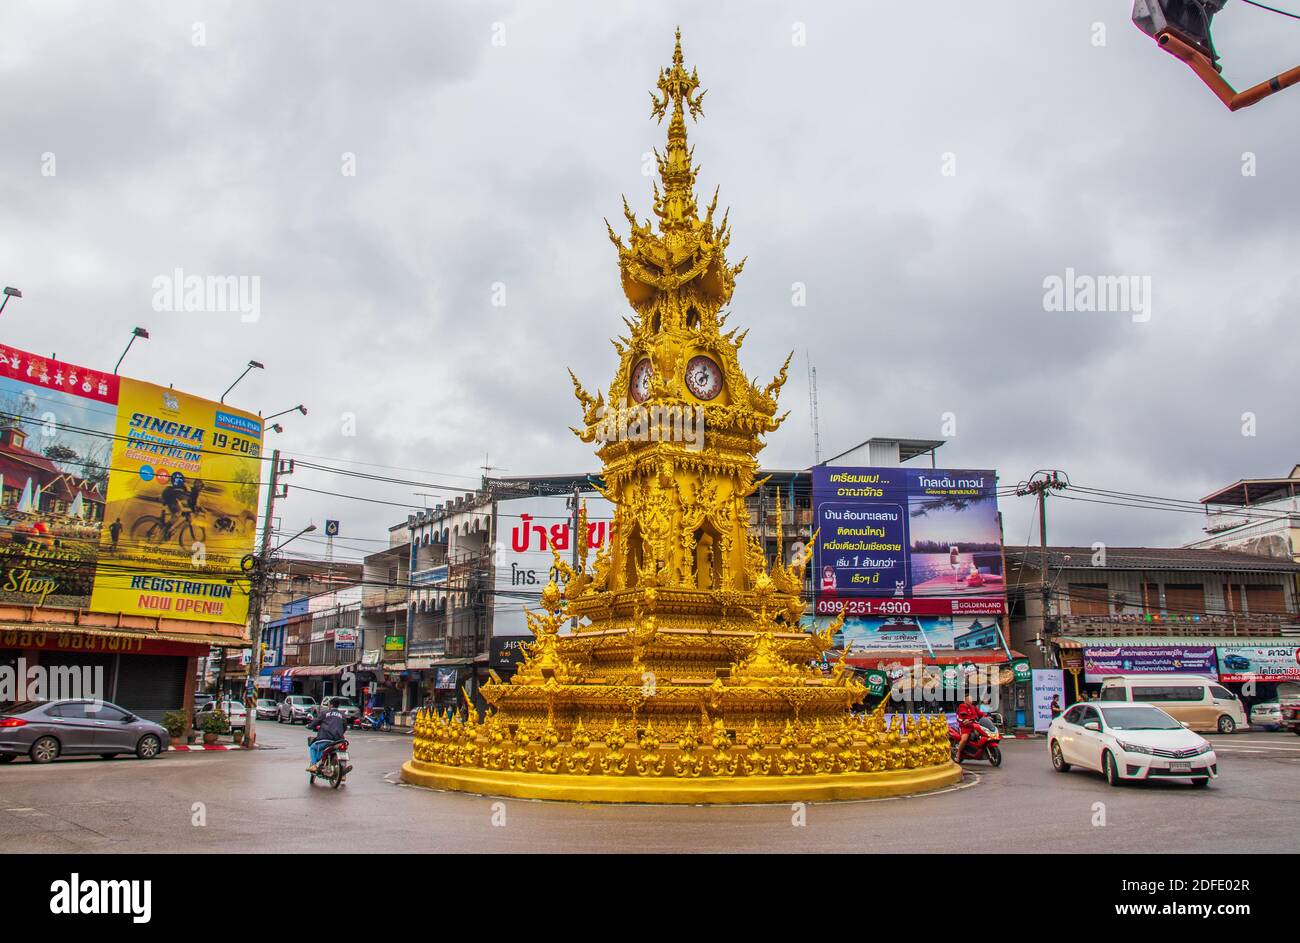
pixel 639 383
pixel 703 378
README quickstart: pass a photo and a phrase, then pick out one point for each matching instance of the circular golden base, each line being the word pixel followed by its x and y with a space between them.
pixel 681 790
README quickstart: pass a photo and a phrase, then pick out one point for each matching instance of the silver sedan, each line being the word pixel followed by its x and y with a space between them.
pixel 46 730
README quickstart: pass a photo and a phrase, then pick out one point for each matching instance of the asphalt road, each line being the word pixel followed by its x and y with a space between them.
pixel 261 802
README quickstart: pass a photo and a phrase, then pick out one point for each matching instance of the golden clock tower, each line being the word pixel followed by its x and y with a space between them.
pixel 687 676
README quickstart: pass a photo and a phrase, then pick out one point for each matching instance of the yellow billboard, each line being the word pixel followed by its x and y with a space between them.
pixel 181 510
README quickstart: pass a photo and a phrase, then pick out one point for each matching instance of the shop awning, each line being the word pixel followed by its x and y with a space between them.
pixel 314 671
pixel 941 656
pixel 1165 641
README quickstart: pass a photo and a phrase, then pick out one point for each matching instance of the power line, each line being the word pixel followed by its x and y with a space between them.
pixel 1255 3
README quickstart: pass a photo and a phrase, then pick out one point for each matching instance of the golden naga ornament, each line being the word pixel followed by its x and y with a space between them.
pixel 687 677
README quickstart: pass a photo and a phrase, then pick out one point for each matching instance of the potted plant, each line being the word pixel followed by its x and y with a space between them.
pixel 214 725
pixel 177 724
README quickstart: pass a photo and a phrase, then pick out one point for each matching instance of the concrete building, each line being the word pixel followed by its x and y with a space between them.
pixel 1181 604
pixel 1255 515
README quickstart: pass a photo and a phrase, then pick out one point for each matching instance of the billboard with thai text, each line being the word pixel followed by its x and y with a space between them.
pixel 1259 663
pixel 907 542
pixel 529 529
pixel 121 496
pixel 1102 661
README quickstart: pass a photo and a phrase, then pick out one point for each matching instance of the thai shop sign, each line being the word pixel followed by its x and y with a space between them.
pixel 532 530
pixel 345 639
pixel 907 542
pixel 1048 683
pixel 1101 661
pixel 1259 663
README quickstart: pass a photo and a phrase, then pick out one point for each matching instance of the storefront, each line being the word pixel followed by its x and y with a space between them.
pixel 1252 668
pixel 317 681
pixel 937 681
pixel 147 675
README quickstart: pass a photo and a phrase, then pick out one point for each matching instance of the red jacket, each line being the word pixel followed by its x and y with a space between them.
pixel 967 714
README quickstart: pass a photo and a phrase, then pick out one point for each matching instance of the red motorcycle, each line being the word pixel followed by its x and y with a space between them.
pixel 982 745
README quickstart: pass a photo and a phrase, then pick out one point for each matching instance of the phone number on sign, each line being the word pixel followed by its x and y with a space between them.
pixel 864 607
pixel 916 606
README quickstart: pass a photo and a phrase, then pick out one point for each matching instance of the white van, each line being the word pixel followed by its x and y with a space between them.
pixel 1193 700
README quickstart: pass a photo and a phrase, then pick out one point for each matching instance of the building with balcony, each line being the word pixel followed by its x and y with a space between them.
pixel 1153 609
pixel 1255 515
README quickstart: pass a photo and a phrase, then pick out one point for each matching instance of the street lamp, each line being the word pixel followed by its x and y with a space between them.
pixel 299 408
pixel 251 365
pixel 9 293
pixel 275 427
pixel 306 530
pixel 136 332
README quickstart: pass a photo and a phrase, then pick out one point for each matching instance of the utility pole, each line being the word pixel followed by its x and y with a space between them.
pixel 1040 484
pixel 259 566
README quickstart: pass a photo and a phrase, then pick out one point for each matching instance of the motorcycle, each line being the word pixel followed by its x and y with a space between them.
pixel 334 764
pixel 982 745
pixel 376 719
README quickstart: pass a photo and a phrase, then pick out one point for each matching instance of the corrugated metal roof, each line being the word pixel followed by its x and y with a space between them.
pixel 1155 558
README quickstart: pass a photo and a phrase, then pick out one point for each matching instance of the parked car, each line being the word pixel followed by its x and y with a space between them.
pixel 345 706
pixel 236 714
pixel 1291 716
pixel 266 709
pixel 46 730
pixel 1128 741
pixel 1266 714
pixel 1194 699
pixel 296 708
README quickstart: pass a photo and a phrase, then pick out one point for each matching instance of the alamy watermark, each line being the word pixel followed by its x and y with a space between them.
pixel 654 422
pixel 1125 294
pixel 209 294
pixel 24 682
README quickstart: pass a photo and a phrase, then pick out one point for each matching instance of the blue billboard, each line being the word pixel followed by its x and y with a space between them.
pixel 907 541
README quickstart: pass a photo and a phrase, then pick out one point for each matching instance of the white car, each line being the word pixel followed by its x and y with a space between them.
pixel 1129 741
pixel 236 714
pixel 1267 715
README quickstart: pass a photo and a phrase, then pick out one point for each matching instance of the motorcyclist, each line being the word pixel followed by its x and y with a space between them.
pixel 330 726
pixel 968 715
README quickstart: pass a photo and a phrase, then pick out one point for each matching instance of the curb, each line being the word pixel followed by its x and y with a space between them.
pixel 205 748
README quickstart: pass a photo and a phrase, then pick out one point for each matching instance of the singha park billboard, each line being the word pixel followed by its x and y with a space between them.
pixel 117 495
pixel 901 542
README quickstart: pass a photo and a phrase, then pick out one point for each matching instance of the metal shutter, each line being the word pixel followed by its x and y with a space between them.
pixel 151 685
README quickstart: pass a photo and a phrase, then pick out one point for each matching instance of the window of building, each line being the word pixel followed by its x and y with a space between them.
pixel 1265 599
pixel 1089 599
pixel 1151 597
pixel 1185 598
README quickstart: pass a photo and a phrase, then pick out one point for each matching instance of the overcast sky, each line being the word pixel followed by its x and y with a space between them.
pixel 491 138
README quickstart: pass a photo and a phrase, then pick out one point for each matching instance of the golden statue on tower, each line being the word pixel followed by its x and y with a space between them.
pixel 687 676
